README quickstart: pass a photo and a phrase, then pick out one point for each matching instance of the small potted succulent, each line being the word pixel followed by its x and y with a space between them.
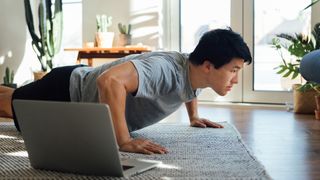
pixel 104 38
pixel 125 34
pixel 8 79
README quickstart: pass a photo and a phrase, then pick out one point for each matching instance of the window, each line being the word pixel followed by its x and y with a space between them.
pixel 271 18
pixel 197 17
pixel 257 21
pixel 72 32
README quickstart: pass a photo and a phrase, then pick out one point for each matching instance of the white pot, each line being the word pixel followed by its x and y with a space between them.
pixel 104 39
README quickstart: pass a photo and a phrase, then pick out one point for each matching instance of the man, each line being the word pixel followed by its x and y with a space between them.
pixel 143 89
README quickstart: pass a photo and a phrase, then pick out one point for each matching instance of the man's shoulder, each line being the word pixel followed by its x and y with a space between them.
pixel 164 53
pixel 161 60
pixel 174 54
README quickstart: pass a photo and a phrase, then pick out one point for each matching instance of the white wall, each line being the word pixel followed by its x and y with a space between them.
pixel 142 14
pixel 15 42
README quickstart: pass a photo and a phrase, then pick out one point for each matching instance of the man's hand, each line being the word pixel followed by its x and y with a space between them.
pixel 203 123
pixel 143 146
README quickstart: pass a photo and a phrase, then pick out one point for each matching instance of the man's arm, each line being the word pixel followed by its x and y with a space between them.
pixel 113 86
pixel 195 121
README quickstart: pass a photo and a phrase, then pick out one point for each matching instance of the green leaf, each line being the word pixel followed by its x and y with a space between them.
pixel 287 74
pixel 281 70
pixel 295 74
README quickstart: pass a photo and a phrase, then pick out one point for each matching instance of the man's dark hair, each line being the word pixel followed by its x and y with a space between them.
pixel 220 46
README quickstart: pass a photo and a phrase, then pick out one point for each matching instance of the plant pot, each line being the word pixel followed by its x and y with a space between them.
pixel 38 75
pixel 124 39
pixel 303 102
pixel 104 39
pixel 12 85
pixel 317 114
pixel 317 98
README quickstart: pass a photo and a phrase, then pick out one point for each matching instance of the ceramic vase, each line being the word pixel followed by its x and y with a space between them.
pixel 104 39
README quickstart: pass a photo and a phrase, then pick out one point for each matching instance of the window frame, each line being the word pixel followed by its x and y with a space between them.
pixel 242 12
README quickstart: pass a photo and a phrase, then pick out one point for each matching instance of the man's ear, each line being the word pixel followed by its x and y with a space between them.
pixel 207 66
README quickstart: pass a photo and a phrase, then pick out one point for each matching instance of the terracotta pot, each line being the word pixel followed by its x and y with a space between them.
pixel 317 114
pixel 38 75
pixel 13 85
pixel 303 102
pixel 124 39
pixel 317 98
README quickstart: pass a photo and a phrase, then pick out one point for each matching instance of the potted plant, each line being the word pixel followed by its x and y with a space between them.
pixel 298 45
pixel 309 69
pixel 316 87
pixel 47 41
pixel 104 38
pixel 125 34
pixel 8 79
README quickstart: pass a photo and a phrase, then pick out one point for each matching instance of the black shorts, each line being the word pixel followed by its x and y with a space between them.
pixel 52 87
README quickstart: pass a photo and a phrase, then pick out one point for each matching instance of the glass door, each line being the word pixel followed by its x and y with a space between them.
pixel 196 18
pixel 263 20
pixel 258 22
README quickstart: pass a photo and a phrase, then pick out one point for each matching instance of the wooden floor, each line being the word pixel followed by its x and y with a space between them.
pixel 287 144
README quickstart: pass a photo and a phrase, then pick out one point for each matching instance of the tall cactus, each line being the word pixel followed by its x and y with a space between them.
pixel 8 77
pixel 103 22
pixel 47 44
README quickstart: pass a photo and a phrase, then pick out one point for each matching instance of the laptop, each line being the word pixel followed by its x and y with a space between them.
pixel 74 138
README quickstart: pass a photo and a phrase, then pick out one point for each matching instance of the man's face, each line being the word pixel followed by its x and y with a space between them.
pixel 222 80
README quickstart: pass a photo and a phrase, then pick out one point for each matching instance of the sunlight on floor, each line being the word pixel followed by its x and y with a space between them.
pixel 6 137
pixel 160 164
pixel 168 166
pixel 18 153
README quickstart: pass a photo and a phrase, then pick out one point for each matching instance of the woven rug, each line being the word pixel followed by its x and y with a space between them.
pixel 194 153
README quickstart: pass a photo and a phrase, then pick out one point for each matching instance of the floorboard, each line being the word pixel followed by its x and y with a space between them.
pixel 287 144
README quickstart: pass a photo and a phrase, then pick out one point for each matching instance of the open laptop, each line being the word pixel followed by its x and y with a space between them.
pixel 74 138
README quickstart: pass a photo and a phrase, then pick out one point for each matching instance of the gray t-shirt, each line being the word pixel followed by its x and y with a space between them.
pixel 163 86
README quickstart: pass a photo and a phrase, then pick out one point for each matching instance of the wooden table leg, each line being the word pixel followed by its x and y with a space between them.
pixel 78 58
pixel 90 62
